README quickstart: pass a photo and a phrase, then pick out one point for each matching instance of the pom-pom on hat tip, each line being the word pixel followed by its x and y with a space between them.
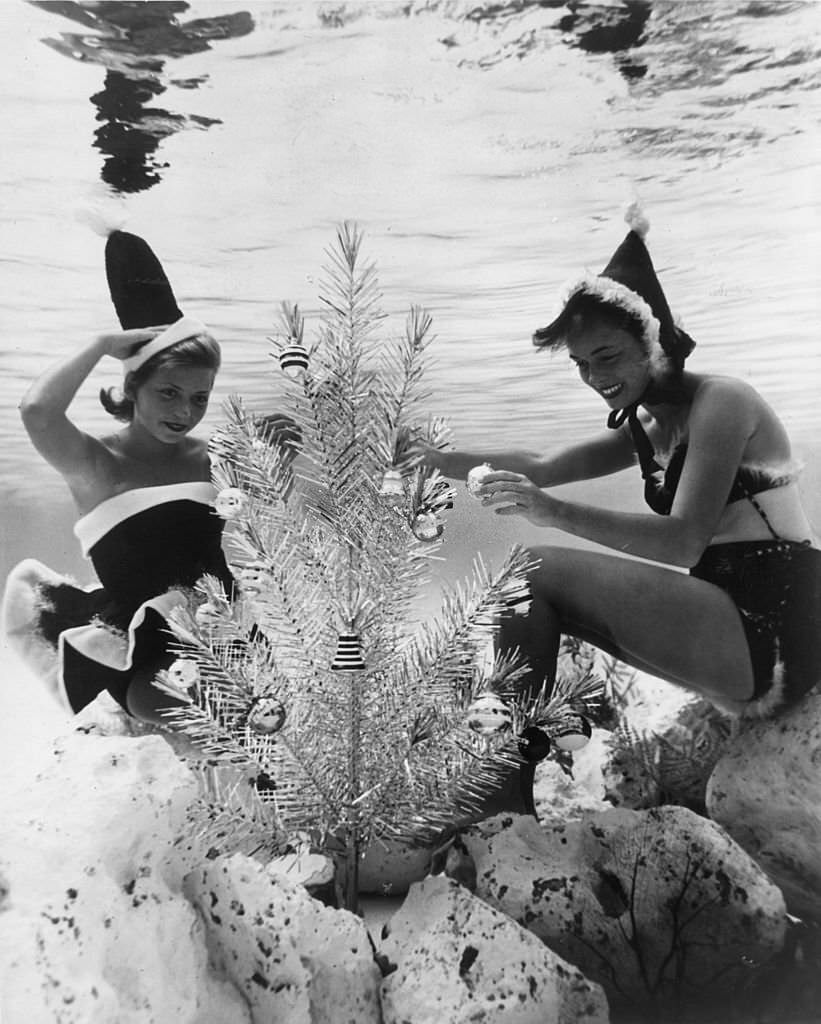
pixel 103 216
pixel 636 219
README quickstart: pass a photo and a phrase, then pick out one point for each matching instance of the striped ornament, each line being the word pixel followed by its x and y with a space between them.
pixel 348 654
pixel 393 485
pixel 572 733
pixel 489 714
pixel 293 359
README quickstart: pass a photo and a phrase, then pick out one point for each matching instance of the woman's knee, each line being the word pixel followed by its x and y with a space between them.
pixel 552 572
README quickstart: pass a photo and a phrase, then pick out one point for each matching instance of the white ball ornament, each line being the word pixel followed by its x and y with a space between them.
pixel 231 502
pixel 489 714
pixel 183 673
pixel 476 477
pixel 572 733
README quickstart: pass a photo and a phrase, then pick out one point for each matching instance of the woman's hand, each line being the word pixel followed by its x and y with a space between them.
pixel 514 494
pixel 122 344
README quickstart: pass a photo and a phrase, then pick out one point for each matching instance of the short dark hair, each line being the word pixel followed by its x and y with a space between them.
pixel 584 310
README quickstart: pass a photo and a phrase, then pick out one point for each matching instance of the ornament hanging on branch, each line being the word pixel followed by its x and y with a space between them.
pixel 231 503
pixel 426 526
pixel 393 484
pixel 572 733
pixel 348 657
pixel 431 496
pixel 266 716
pixel 489 714
pixel 293 359
pixel 534 744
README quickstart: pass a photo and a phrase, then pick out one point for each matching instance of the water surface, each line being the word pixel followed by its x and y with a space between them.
pixel 487 150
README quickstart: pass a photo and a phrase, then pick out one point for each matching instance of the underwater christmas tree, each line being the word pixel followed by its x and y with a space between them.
pixel 354 722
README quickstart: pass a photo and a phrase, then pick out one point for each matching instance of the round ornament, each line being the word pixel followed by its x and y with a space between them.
pixel 231 502
pixel 183 673
pixel 426 526
pixel 572 733
pixel 393 485
pixel 534 744
pixel 267 715
pixel 293 359
pixel 476 477
pixel 489 714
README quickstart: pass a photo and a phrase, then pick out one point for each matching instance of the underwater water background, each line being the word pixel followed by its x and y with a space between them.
pixel 486 149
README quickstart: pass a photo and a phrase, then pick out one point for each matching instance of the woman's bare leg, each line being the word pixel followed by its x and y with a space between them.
pixel 664 622
pixel 658 620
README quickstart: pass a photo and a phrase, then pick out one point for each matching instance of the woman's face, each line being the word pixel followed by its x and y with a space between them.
pixel 172 401
pixel 612 361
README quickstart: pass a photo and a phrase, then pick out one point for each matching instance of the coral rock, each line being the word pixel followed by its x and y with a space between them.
pixel 293 958
pixel 94 927
pixel 766 792
pixel 655 905
pixel 448 957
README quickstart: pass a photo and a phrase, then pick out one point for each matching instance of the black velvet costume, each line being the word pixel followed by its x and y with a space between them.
pixel 147 545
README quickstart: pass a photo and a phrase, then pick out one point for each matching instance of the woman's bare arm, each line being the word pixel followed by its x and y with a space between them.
pixel 599 456
pixel 44 406
pixel 723 418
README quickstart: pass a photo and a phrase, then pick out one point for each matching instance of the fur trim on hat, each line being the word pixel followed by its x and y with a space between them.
pixel 613 293
pixel 184 328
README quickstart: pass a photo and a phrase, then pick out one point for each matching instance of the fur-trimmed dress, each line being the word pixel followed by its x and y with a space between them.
pixel 147 546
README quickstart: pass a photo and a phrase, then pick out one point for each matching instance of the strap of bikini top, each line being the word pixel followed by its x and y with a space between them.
pixel 748 494
pixel 655 494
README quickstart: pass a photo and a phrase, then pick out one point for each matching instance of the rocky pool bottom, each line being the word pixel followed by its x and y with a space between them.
pixel 655 913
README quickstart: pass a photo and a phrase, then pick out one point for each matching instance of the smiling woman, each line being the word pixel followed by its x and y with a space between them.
pixel 741 626
pixel 144 495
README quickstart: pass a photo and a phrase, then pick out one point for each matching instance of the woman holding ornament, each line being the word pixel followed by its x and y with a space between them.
pixel 740 624
pixel 143 493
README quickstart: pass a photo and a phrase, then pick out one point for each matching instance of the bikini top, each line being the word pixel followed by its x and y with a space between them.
pixel 660 484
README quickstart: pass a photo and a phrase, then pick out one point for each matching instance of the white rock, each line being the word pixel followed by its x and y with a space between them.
pixel 308 869
pixel 648 903
pixel 766 792
pixel 294 959
pixel 459 961
pixel 94 927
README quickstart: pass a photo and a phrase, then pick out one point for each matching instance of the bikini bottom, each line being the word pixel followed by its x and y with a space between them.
pixel 776 586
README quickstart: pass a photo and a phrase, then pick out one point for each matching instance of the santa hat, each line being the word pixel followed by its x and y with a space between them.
pixel 143 297
pixel 628 283
pixel 140 291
